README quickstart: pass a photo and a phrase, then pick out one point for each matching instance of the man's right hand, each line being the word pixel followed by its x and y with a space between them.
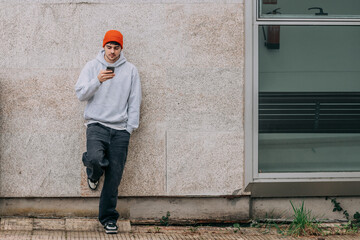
pixel 105 75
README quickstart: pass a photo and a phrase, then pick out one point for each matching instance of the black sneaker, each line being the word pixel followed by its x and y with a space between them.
pixel 111 228
pixel 92 185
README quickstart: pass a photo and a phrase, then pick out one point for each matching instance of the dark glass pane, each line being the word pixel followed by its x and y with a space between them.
pixel 309 98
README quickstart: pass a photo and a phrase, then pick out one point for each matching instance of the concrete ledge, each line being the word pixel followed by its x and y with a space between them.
pixel 65 224
pixel 136 209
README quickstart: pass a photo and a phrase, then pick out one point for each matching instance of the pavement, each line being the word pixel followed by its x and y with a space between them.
pixel 19 228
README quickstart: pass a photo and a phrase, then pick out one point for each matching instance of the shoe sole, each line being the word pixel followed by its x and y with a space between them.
pixel 93 188
pixel 111 231
pixel 96 185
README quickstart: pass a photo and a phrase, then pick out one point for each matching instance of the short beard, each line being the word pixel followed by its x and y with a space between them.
pixel 117 58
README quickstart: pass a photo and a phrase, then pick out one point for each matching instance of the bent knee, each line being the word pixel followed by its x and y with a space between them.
pixel 94 157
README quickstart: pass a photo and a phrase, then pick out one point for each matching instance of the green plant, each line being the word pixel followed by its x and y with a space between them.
pixel 164 221
pixel 348 227
pixel 352 226
pixel 357 217
pixel 193 229
pixel 303 224
pixel 157 229
pixel 236 227
pixel 338 208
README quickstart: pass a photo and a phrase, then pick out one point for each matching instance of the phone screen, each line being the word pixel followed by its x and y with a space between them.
pixel 110 68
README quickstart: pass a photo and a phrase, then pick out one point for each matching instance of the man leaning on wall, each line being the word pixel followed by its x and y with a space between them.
pixel 111 87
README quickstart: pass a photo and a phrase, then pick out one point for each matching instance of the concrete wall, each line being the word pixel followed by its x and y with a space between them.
pixel 190 55
pixel 189 149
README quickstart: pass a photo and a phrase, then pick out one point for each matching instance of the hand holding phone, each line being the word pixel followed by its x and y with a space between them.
pixel 105 75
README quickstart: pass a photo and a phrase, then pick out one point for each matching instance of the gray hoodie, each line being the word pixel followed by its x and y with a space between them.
pixel 116 102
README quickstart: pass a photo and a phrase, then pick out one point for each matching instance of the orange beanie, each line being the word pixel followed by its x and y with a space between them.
pixel 113 36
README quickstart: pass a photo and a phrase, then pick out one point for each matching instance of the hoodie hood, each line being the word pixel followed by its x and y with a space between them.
pixel 101 59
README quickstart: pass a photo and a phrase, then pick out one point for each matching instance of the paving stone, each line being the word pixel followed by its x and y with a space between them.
pixel 82 224
pixel 21 224
pixel 15 235
pixel 124 226
pixel 49 224
pixel 48 235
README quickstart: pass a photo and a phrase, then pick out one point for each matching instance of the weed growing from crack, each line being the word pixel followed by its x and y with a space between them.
pixel 157 229
pixel 164 221
pixel 194 229
pixel 304 224
pixel 236 227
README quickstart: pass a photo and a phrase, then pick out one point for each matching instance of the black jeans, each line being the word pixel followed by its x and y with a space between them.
pixel 106 152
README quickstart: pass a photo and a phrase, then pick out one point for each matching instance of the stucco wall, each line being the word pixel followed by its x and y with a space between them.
pixel 190 55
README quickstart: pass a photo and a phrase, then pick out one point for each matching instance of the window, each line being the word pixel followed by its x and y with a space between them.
pixel 303 82
pixel 309 9
pixel 309 101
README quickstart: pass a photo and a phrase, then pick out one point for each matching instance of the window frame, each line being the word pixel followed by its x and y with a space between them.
pixel 252 22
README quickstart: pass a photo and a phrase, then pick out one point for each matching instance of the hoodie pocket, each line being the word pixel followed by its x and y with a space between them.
pixel 106 113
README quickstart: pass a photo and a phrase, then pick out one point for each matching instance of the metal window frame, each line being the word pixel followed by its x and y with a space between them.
pixel 252 22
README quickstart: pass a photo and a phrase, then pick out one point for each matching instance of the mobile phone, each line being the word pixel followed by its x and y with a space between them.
pixel 111 69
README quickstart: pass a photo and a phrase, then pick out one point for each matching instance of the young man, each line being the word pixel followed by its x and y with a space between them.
pixel 111 114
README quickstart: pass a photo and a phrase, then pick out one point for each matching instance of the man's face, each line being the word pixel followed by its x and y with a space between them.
pixel 112 52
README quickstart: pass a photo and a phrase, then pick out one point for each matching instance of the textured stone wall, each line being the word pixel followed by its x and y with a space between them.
pixel 190 55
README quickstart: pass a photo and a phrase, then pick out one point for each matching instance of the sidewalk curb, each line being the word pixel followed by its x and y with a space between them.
pixel 59 224
pixel 25 228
